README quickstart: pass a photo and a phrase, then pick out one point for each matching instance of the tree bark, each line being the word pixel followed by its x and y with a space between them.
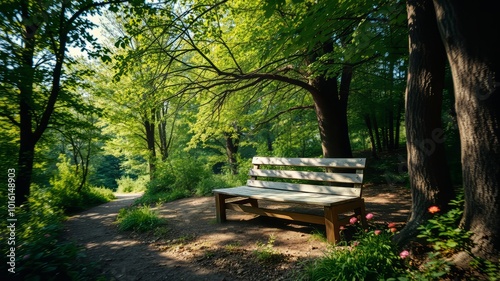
pixel 427 166
pixel 377 133
pixel 149 127
pixel 162 130
pixel 27 138
pixel 232 145
pixel 330 104
pixel 470 32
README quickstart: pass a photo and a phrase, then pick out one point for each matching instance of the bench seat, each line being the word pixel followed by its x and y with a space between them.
pixel 277 195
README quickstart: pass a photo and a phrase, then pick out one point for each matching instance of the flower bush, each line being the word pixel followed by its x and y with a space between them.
pixel 370 254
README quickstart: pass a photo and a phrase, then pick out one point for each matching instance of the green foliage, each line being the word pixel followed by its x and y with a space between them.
pixel 206 185
pixel 369 257
pixel 64 192
pixel 178 174
pixel 42 254
pixel 127 184
pixel 490 269
pixel 107 171
pixel 161 197
pixel 140 219
pixel 443 233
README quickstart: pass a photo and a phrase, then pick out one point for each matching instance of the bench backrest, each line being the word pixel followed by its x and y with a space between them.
pixel 348 182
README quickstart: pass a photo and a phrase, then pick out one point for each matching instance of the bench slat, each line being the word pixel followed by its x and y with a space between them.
pixel 348 163
pixel 312 176
pixel 337 190
pixel 286 196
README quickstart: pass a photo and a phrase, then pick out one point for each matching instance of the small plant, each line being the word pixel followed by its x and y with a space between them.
pixel 140 219
pixel 442 231
pixel 317 235
pixel 489 269
pixel 232 247
pixel 266 253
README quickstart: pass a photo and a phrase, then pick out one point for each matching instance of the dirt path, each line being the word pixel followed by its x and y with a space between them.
pixel 193 247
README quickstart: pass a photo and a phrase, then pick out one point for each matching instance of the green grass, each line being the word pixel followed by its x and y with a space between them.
pixel 140 219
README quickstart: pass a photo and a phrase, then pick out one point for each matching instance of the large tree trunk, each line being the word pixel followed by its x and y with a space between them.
pixel 471 32
pixel 330 104
pixel 427 166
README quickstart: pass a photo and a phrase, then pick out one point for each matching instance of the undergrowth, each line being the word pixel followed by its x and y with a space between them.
pixel 140 219
pixel 41 251
pixel 371 254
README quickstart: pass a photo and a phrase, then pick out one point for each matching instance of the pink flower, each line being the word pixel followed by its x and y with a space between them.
pixel 391 225
pixel 377 231
pixel 393 229
pixel 369 216
pixel 433 209
pixel 353 220
pixel 342 227
pixel 404 254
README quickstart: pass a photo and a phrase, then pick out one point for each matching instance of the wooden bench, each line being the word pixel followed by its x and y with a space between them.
pixel 337 188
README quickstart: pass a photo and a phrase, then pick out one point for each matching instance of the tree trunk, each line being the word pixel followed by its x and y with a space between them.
pixel 25 169
pixel 162 131
pixel 330 104
pixel 391 128
pixel 471 32
pixel 427 166
pixel 370 133
pixel 231 150
pixel 377 133
pixel 149 126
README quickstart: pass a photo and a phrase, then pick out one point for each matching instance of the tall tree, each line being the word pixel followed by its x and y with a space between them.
pixel 427 166
pixel 35 38
pixel 285 45
pixel 470 33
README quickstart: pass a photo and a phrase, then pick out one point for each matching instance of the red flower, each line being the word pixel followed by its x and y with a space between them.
pixel 377 232
pixel 391 225
pixel 433 209
pixel 393 229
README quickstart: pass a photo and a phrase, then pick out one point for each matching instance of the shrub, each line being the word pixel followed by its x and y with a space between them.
pixel 127 184
pixel 140 219
pixel 41 253
pixel 206 185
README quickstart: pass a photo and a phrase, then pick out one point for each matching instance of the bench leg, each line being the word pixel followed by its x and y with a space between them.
pixel 361 212
pixel 254 203
pixel 332 225
pixel 220 207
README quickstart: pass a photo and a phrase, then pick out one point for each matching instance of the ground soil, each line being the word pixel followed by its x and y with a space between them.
pixel 192 246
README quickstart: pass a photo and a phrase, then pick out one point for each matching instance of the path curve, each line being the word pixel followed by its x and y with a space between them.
pixel 119 256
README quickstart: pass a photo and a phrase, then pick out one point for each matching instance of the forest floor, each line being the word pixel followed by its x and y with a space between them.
pixel 192 246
